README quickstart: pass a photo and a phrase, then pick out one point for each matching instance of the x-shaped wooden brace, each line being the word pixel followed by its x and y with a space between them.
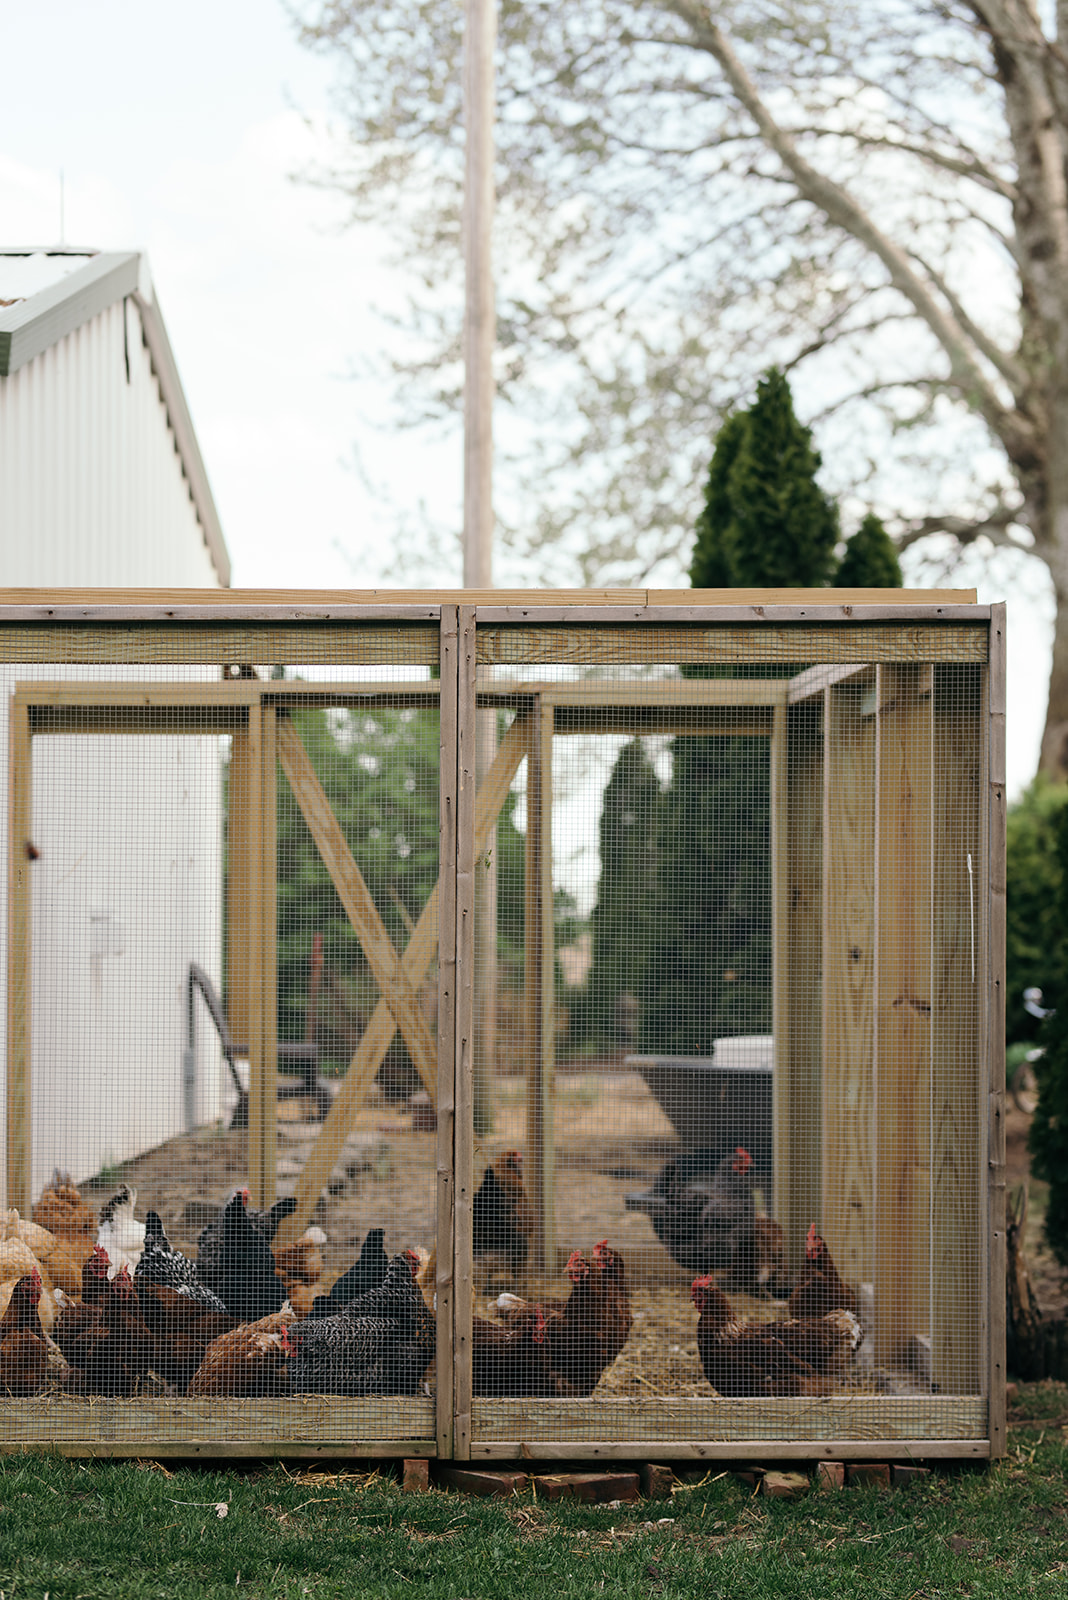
pixel 398 978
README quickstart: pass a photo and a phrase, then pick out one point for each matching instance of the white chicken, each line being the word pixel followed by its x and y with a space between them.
pixel 120 1234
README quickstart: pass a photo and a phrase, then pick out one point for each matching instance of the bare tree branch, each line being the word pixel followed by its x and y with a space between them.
pixel 1009 425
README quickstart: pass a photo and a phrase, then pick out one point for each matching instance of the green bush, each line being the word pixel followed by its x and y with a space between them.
pixel 1049 1130
pixel 1033 913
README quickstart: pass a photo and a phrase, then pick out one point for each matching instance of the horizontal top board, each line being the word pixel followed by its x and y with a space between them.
pixel 97 604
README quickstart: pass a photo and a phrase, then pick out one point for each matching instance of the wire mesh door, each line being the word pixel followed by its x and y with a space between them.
pixel 730 1079
pixel 223 865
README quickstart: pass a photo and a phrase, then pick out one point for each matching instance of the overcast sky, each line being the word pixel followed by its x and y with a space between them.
pixel 178 130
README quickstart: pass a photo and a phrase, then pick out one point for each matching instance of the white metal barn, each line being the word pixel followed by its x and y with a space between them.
pixel 102 483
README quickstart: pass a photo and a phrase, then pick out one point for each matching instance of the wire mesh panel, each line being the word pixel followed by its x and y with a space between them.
pixel 223 863
pixel 730 1097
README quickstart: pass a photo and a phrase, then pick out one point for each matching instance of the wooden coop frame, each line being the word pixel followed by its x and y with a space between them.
pixel 817 794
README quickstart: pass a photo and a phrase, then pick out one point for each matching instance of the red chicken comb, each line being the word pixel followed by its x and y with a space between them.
pixel 99 1261
pixel 246 1196
pixel 742 1160
pixel 413 1261
pixel 540 1325
pixel 813 1242
pixel 286 1350
pixel 34 1280
pixel 577 1266
pixel 600 1250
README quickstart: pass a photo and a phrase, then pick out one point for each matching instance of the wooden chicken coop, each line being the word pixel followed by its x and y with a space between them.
pixel 720 816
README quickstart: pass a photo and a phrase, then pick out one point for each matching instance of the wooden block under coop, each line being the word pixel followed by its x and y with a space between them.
pixel 656 1481
pixel 502 1485
pixel 784 1485
pixel 592 1488
pixel 868 1475
pixel 416 1475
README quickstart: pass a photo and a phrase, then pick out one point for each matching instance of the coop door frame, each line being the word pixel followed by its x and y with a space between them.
pixel 847 645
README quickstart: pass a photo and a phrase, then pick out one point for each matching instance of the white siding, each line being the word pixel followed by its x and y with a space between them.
pixel 129 884
pixel 92 491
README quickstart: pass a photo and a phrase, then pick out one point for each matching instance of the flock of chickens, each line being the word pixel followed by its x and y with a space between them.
pixel 106 1306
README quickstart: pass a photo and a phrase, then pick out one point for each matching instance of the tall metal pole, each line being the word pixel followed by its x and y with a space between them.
pixel 480 40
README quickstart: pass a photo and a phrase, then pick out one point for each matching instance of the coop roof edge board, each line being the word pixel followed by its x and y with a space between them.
pixel 31 325
pixel 493 607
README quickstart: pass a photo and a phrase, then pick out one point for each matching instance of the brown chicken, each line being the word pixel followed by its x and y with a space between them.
pixel 300 1267
pixel 249 1361
pixel 512 1358
pixel 182 1330
pixel 769 1358
pixel 758 1264
pixel 77 1317
pixel 502 1217
pixel 114 1355
pixel 23 1352
pixel 819 1288
pixel 68 1217
pixel 586 1331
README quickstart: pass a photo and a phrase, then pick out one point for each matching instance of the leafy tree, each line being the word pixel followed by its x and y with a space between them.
pixel 870 559
pixel 1033 911
pixel 870 194
pixel 1049 1130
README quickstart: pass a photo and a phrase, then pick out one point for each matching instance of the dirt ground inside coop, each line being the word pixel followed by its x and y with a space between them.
pixel 611 1137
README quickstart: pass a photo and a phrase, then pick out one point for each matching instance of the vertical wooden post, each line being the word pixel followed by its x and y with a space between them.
pixel 262 955
pixel 463 1144
pixel 780 960
pixel 796 812
pixel 959 892
pixel 540 988
pixel 238 897
pixel 903 998
pixel 445 1098
pixel 848 963
pixel 19 959
pixel 995 1035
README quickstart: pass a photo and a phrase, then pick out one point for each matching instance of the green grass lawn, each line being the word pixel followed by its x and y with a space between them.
pixel 79 1530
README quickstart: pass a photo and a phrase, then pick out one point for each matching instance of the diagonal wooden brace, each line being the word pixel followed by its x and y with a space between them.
pixel 420 952
pixel 397 990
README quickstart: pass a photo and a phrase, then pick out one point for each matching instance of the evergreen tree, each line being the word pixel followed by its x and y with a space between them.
pixel 870 559
pixel 709 568
pixel 782 528
pixel 621 921
pixel 765 523
pixel 1049 1130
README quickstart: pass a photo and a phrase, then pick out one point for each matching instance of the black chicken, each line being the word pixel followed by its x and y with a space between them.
pixel 160 1263
pixel 381 1343
pixel 502 1218
pixel 239 1267
pixel 366 1273
pixel 700 1214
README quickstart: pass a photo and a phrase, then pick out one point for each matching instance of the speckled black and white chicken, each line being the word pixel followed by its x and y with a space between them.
pixel 382 1343
pixel 161 1263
